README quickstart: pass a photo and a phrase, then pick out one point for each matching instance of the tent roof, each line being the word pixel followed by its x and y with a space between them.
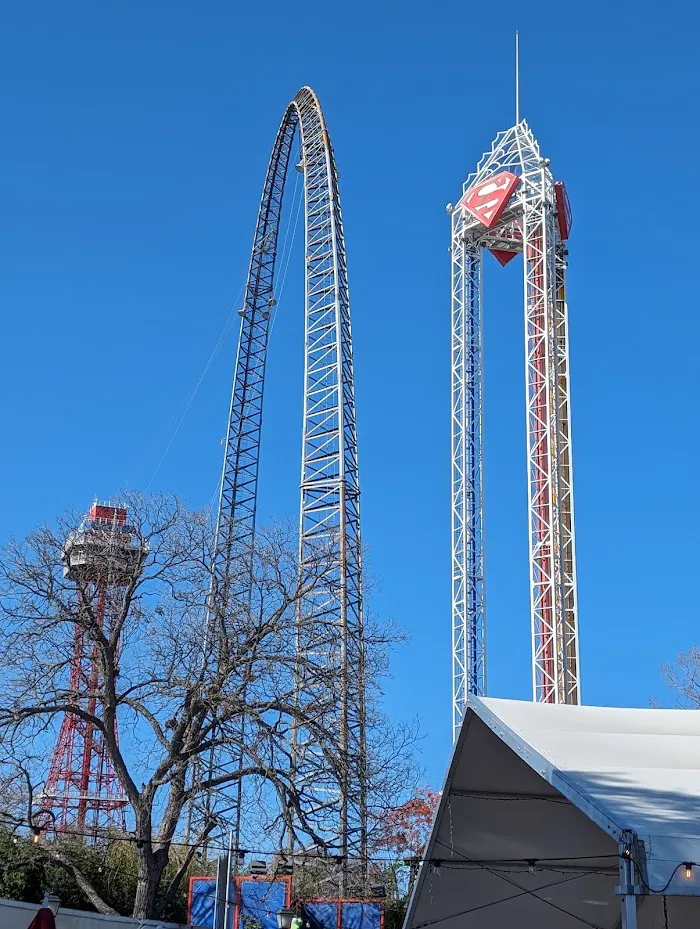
pixel 535 804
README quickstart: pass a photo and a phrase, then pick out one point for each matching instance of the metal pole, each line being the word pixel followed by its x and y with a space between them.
pixel 629 911
pixel 628 890
pixel 228 879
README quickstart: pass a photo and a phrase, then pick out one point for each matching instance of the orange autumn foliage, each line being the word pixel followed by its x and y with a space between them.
pixel 406 829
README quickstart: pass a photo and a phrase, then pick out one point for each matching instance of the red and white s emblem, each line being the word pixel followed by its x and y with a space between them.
pixel 486 201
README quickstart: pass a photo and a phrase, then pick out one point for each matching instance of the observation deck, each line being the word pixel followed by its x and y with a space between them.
pixel 104 548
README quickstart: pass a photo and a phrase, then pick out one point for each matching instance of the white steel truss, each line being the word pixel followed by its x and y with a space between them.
pixel 569 671
pixel 331 631
pixel 468 642
pixel 531 224
pixel 330 638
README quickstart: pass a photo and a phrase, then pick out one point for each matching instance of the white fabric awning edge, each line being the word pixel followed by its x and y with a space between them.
pixel 661 876
pixel 535 760
pixel 542 765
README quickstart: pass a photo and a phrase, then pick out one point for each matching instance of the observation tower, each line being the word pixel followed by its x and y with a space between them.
pixel 103 558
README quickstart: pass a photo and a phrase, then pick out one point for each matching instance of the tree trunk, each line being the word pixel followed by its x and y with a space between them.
pixel 149 875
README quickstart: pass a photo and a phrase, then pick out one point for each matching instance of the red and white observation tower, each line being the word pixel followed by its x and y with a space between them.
pixel 83 794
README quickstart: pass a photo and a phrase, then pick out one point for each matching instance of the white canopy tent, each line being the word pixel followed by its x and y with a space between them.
pixel 559 817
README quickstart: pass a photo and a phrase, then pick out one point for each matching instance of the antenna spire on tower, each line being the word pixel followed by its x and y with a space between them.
pixel 517 78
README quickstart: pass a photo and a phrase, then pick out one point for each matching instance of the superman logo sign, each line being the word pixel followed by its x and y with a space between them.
pixel 487 201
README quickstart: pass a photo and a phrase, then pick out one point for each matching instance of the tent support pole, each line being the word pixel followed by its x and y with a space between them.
pixel 628 890
pixel 629 911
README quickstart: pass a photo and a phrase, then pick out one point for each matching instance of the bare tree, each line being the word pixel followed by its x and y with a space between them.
pixel 683 677
pixel 203 705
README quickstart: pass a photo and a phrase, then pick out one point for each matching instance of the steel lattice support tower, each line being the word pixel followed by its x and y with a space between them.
pixel 468 644
pixel 83 792
pixel 512 204
pixel 330 623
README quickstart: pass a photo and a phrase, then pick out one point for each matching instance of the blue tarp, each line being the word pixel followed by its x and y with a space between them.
pixel 339 914
pixel 255 905
pixel 361 916
pixel 259 902
pixel 321 914
pixel 202 902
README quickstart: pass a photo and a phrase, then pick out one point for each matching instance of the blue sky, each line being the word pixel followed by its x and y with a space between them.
pixel 135 140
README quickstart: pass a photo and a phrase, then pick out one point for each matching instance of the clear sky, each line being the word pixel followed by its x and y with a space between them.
pixel 135 138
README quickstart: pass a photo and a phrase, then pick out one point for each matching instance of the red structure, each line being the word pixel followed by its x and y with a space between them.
pixel 83 794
